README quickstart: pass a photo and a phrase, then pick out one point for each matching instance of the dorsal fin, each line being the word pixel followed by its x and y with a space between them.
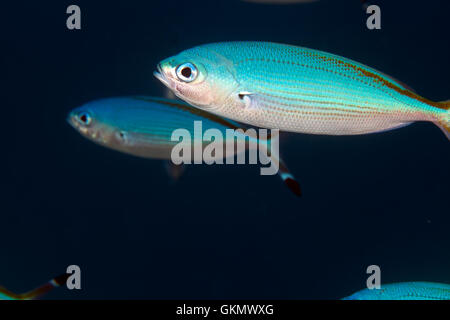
pixel 404 85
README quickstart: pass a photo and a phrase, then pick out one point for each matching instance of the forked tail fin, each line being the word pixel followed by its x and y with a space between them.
pixel 443 122
pixel 265 143
pixel 36 293
pixel 288 178
pixel 290 181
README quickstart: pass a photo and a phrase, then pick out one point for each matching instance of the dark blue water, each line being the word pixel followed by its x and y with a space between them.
pixel 221 231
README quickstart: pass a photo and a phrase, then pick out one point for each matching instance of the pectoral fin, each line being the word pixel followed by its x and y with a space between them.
pixel 247 99
pixel 173 170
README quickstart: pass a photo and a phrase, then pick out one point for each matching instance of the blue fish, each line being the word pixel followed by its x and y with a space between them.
pixel 5 294
pixel 143 127
pixel 405 291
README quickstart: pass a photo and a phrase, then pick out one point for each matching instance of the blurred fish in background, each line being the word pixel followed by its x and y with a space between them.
pixel 174 171
pixel 37 293
pixel 143 127
pixel 405 291
pixel 280 1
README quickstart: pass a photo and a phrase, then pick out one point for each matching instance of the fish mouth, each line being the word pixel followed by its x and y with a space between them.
pixel 159 74
pixel 71 120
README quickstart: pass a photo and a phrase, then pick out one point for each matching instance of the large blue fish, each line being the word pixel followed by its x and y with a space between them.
pixel 295 89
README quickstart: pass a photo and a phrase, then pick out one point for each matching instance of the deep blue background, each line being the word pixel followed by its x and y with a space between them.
pixel 222 231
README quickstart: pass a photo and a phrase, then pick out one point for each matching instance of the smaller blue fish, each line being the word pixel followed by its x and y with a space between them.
pixel 405 291
pixel 143 127
pixel 36 293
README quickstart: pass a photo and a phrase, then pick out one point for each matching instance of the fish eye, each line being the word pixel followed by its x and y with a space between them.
pixel 84 118
pixel 121 135
pixel 186 72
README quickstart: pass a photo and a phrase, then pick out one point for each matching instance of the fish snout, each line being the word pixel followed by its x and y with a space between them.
pixel 71 120
pixel 162 73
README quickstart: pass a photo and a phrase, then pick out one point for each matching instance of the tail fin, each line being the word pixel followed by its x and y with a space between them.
pixel 290 181
pixel 36 293
pixel 288 178
pixel 444 120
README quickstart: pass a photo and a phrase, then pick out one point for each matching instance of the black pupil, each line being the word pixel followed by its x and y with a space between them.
pixel 186 72
pixel 83 118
